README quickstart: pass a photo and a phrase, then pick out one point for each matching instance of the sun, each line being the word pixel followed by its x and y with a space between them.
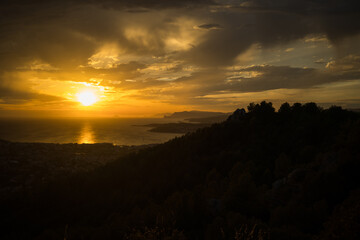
pixel 87 98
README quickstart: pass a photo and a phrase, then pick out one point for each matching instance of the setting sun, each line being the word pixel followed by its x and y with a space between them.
pixel 87 98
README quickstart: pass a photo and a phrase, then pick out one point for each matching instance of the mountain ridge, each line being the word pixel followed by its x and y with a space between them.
pixel 194 114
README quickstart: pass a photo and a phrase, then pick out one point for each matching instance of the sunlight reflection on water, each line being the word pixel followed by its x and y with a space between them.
pixel 86 134
pixel 119 131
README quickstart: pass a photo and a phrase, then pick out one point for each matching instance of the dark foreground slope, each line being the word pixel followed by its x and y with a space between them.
pixel 292 174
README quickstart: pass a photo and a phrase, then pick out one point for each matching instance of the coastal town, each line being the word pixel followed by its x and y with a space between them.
pixel 24 165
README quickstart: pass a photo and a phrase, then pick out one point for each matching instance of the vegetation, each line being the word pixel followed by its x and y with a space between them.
pixel 261 174
pixel 179 127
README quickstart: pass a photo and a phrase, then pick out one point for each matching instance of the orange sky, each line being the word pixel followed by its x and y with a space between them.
pixel 142 59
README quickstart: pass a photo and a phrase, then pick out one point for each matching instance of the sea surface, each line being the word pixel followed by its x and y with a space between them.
pixel 119 131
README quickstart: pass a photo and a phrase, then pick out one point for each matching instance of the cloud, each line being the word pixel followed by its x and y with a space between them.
pixel 67 34
pixel 123 43
pixel 209 26
pixel 69 39
pixel 345 65
pixel 270 23
pixel 66 4
pixel 267 77
pixel 277 77
pixel 252 79
pixel 124 71
pixel 14 96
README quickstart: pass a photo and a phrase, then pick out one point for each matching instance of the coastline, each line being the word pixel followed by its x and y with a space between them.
pixel 27 164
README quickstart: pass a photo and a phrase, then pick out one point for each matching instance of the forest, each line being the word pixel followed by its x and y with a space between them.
pixel 261 174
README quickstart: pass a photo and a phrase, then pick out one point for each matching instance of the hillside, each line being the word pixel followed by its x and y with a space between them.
pixel 179 127
pixel 194 114
pixel 261 174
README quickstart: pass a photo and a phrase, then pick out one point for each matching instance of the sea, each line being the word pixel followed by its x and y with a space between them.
pixel 118 131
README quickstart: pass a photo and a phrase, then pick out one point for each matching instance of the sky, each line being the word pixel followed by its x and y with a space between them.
pixel 142 58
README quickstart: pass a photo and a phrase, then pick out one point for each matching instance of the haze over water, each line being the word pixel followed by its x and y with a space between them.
pixel 119 131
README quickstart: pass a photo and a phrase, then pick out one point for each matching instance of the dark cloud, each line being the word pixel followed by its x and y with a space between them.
pixel 14 96
pixel 249 79
pixel 267 77
pixel 54 31
pixel 209 26
pixel 66 4
pixel 347 65
pixel 301 6
pixel 276 77
pixel 273 22
pixel 68 39
pixel 241 30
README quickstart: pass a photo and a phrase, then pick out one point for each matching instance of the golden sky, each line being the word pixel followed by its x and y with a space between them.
pixel 143 58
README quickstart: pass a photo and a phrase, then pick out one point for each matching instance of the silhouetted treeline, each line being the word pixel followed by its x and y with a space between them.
pixel 261 174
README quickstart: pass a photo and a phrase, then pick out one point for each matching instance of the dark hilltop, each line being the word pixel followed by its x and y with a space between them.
pixel 261 174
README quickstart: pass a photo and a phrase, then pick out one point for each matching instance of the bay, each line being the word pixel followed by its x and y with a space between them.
pixel 119 131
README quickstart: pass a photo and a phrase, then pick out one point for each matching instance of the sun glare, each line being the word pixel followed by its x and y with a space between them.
pixel 87 98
